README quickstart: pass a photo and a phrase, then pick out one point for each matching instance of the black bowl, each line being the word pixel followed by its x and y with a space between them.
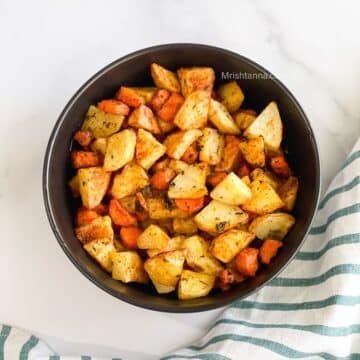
pixel 259 86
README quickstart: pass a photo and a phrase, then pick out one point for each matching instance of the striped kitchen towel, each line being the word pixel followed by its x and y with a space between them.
pixel 310 311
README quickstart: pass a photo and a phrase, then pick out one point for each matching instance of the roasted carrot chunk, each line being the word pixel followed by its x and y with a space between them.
pixel 243 170
pixel 159 98
pixel 141 200
pixel 129 236
pixel 101 209
pixel 280 166
pixel 247 261
pixel 216 178
pixel 161 179
pixel 119 215
pixel 85 216
pixel 227 277
pixel 171 107
pixel 249 112
pixel 269 249
pixel 190 205
pixel 83 137
pixel 83 159
pixel 129 97
pixel 191 154
pixel 114 107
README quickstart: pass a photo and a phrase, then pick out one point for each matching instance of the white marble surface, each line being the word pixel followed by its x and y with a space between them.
pixel 48 49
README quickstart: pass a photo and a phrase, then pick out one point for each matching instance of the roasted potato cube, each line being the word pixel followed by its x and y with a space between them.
pixel 193 113
pixel 246 180
pixel 175 243
pixel 93 184
pixel 148 149
pixel 101 250
pixel 132 178
pixel 288 192
pixel 178 165
pixel 189 184
pixel 100 123
pixel 99 145
pixel 218 217
pixel 268 125
pixel 128 267
pixel 177 143
pixel 232 190
pixel 184 226
pixel 267 176
pixel 165 269
pixel 264 199
pixel 196 78
pixel 164 78
pixel 243 119
pixel 99 228
pixel 193 285
pixel 146 93
pixel 211 145
pixel 129 203
pixel 226 246
pixel 198 256
pixel 159 209
pixel 272 226
pixel 120 150
pixel 74 185
pixel 222 119
pixel 153 237
pixel 231 96
pixel 253 151
pixel 165 126
pixel 143 118
pixel 231 155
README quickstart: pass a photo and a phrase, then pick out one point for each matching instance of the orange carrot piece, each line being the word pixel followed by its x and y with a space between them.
pixel 159 99
pixel 247 261
pixel 190 205
pixel 191 154
pixel 269 249
pixel 129 97
pixel 101 209
pixel 249 112
pixel 161 179
pixel 243 170
pixel 171 107
pixel 216 178
pixel 119 215
pixel 83 159
pixel 85 216
pixel 280 166
pixel 129 236
pixel 83 137
pixel 114 107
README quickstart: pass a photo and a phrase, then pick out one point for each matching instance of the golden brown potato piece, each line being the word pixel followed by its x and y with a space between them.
pixel 146 93
pixel 231 96
pixel 159 209
pixel 268 125
pixel 165 269
pixel 264 199
pixel 196 78
pixel 243 119
pixel 93 184
pixel 132 178
pixel 226 246
pixel 184 226
pixel 178 165
pixel 148 149
pixel 129 203
pixel 193 113
pixel 272 226
pixel 120 150
pixel 165 126
pixel 288 192
pixel 99 145
pixel 231 155
pixel 143 118
pixel 231 190
pixel 99 228
pixel 267 176
pixel 178 142
pixel 100 123
pixel 222 119
pixel 218 217
pixel 253 151
pixel 211 145
pixel 189 184
pixel 175 243
pixel 74 185
pixel 193 285
pixel 101 250
pixel 153 237
pixel 164 78
pixel 128 267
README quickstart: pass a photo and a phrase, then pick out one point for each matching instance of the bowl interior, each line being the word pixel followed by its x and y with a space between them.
pixel 134 70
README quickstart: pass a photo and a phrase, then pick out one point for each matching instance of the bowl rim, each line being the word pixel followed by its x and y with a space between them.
pixel 47 196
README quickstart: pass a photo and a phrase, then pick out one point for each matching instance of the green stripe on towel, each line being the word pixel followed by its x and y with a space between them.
pixel 351 159
pixel 27 347
pixel 4 334
pixel 199 356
